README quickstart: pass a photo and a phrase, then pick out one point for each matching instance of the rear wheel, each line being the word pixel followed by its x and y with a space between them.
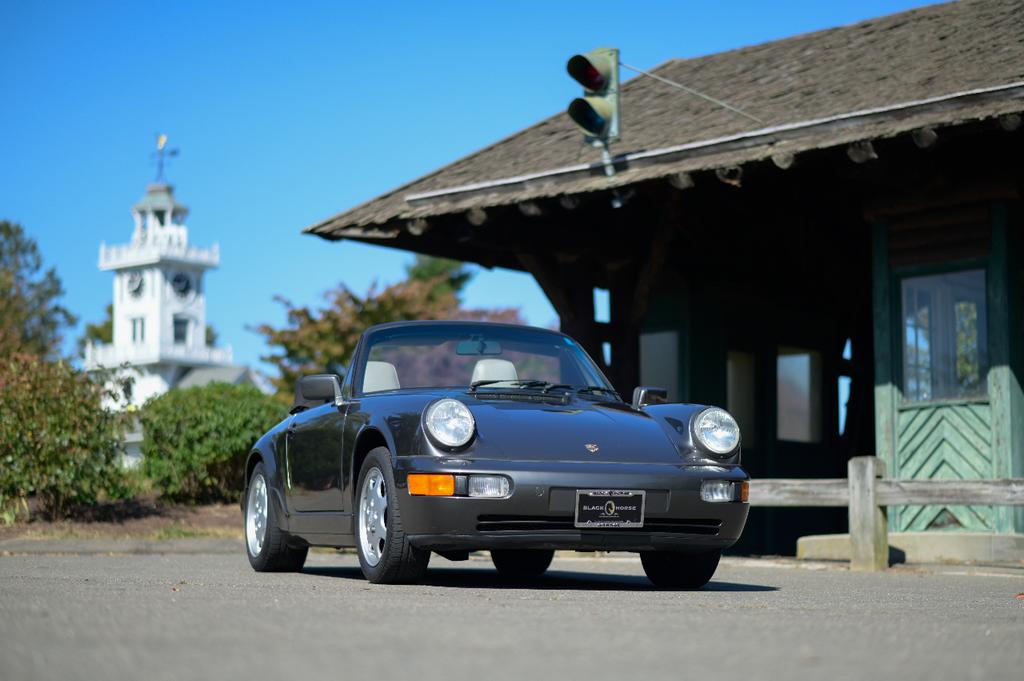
pixel 679 570
pixel 521 563
pixel 265 543
pixel 385 554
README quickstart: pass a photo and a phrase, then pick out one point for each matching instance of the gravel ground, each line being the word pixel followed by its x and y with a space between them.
pixel 210 616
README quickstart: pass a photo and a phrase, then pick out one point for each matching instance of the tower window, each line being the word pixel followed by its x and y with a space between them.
pixel 181 325
pixel 138 330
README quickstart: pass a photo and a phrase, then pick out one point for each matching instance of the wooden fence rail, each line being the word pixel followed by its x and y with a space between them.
pixel 866 493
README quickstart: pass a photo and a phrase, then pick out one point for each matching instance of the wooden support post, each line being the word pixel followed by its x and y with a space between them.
pixel 869 528
pixel 572 295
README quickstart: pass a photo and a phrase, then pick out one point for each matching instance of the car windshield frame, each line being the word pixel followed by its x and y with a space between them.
pixel 458 331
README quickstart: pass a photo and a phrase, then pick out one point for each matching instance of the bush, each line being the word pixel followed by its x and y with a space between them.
pixel 56 439
pixel 196 440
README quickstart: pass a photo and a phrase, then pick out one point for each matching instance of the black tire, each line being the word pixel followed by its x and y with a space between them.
pixel 400 562
pixel 522 563
pixel 275 554
pixel 672 570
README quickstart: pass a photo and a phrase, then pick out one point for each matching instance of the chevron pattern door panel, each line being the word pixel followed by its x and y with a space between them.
pixel 944 442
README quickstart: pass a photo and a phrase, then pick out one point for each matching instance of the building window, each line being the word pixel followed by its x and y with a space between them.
pixel 602 305
pixel 138 330
pixel 799 395
pixel 945 344
pixel 181 330
pixel 844 383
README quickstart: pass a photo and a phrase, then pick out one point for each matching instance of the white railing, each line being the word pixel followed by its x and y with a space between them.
pixel 126 255
pixel 110 356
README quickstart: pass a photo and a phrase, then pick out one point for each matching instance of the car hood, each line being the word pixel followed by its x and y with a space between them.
pixel 583 430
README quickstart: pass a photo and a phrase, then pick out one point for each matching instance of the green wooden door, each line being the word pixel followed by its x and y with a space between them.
pixel 944 390
pixel 943 442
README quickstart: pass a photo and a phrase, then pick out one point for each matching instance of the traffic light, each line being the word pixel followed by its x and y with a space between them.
pixel 597 111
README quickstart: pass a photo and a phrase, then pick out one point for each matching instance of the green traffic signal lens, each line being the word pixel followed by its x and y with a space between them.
pixel 587 117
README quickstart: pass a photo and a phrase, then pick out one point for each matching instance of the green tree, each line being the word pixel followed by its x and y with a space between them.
pixel 31 320
pixel 196 440
pixel 101 333
pixel 451 276
pixel 57 441
pixel 315 341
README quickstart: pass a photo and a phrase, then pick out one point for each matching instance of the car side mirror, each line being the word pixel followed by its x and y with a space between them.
pixel 645 394
pixel 312 391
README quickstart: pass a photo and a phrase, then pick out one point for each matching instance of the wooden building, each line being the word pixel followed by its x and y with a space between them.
pixel 864 243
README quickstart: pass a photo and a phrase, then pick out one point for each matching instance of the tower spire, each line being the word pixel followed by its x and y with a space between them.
pixel 162 154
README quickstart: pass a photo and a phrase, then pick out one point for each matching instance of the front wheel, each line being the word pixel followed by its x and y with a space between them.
pixel 265 543
pixel 521 564
pixel 673 570
pixel 385 554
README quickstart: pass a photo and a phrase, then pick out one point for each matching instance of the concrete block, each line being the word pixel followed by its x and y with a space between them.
pixel 924 547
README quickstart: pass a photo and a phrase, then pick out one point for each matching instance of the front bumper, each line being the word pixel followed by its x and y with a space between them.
pixel 539 512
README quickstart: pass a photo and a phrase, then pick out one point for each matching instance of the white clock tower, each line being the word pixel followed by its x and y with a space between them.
pixel 159 313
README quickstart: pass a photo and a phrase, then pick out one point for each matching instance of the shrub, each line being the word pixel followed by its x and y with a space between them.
pixel 196 440
pixel 56 439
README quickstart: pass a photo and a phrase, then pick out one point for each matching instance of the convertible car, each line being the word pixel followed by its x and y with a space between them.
pixel 451 437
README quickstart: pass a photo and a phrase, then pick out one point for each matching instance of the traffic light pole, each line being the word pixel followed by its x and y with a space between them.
pixel 606 158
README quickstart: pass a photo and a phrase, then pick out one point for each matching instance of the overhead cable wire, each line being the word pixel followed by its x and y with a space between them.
pixel 691 91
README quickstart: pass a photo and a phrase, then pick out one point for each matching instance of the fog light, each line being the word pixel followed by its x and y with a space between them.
pixel 488 486
pixel 717 491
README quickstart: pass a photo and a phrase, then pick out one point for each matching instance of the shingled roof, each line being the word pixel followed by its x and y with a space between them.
pixel 928 67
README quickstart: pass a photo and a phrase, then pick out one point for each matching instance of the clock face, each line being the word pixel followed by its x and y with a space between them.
pixel 135 284
pixel 182 284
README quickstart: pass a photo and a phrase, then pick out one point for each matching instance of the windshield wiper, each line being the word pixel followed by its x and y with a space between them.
pixel 545 386
pixel 487 381
pixel 598 389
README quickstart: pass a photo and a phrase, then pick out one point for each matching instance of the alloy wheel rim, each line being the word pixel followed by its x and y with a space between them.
pixel 373 512
pixel 256 516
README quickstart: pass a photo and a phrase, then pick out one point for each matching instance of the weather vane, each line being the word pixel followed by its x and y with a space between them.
pixel 161 155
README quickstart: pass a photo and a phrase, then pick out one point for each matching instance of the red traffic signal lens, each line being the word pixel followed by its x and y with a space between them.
pixel 585 73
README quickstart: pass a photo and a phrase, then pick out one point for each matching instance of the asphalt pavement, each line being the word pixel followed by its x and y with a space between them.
pixel 209 616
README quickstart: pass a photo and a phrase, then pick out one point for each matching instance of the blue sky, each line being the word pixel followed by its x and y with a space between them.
pixel 286 113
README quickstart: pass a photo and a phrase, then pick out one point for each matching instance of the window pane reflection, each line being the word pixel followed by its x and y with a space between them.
pixel 945 353
pixel 799 395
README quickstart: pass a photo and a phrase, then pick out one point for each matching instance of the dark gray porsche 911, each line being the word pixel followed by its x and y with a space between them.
pixel 451 437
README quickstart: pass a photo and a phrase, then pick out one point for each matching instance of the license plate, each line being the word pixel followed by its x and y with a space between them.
pixel 610 508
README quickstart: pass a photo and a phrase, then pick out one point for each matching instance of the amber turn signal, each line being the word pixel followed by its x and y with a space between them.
pixel 431 485
pixel 744 491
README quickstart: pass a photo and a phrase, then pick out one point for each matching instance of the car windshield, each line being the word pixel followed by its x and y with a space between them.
pixel 477 356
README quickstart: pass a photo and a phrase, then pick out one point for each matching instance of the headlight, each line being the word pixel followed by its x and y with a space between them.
pixel 717 431
pixel 450 422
